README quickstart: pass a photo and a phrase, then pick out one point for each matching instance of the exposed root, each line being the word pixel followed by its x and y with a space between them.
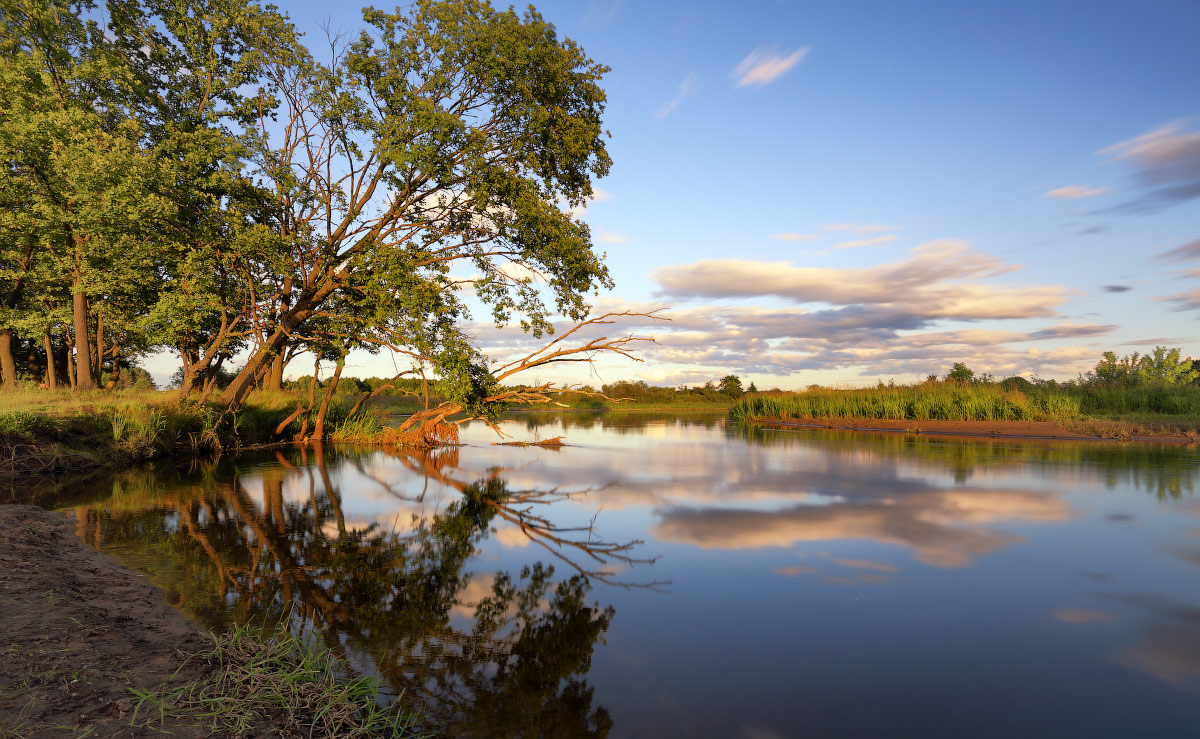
pixel 421 436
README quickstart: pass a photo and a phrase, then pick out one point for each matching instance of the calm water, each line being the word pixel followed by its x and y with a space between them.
pixel 806 582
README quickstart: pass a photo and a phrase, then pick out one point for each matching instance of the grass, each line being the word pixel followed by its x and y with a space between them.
pixel 276 682
pixel 1107 412
pixel 932 401
pixel 52 431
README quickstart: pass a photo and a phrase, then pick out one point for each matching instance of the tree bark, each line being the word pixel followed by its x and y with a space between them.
pixel 8 366
pixel 84 378
pixel 70 361
pixel 51 378
pixel 319 429
pixel 305 306
pixel 275 379
pixel 97 352
pixel 115 376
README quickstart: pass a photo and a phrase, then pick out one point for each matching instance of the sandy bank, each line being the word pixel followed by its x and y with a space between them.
pixel 78 631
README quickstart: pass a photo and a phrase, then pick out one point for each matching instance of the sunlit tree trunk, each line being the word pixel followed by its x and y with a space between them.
pixel 84 378
pixel 8 366
pixel 51 379
pixel 319 429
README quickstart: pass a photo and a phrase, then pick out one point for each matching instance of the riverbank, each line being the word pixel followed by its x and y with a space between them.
pixel 990 409
pixel 92 649
pixel 80 632
pixel 47 434
pixel 1082 430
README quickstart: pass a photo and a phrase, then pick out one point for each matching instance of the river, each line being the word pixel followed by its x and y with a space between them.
pixel 677 576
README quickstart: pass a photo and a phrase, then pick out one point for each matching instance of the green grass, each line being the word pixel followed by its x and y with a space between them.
pixel 931 401
pixel 1139 401
pixel 46 432
pixel 257 681
pixel 1070 404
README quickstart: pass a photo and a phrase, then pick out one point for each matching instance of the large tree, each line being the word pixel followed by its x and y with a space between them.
pixel 453 136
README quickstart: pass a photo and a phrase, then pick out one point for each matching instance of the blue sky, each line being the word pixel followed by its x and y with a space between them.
pixel 839 192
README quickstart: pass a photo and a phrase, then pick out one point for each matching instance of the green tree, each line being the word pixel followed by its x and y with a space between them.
pixel 452 134
pixel 1164 366
pixel 731 386
pixel 961 373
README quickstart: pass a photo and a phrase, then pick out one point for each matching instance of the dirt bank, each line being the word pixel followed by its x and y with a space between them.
pixel 78 631
pixel 1083 431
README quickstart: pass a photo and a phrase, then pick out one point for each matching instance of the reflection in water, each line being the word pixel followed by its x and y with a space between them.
pixel 950 572
pixel 390 601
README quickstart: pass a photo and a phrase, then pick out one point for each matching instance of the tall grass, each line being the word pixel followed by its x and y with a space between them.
pixel 63 430
pixel 1173 400
pixel 930 401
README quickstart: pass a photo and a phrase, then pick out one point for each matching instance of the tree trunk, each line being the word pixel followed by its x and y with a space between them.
pixel 319 429
pixel 8 366
pixel 51 379
pixel 84 379
pixel 115 377
pixel 275 379
pixel 70 363
pixel 305 306
pixel 97 355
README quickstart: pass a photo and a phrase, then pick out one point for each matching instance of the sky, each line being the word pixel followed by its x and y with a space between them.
pixel 846 192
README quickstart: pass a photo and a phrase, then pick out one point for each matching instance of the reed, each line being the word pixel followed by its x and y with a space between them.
pixel 929 401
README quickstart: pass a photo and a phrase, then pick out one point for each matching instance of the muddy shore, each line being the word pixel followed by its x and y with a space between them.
pixel 79 630
pixel 1040 430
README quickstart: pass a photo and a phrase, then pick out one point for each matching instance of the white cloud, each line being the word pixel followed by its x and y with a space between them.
pixel 765 65
pixel 793 236
pixel 608 237
pixel 866 242
pixel 689 84
pixel 1075 192
pixel 929 283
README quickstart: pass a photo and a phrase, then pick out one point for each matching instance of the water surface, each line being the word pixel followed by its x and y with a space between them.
pixel 804 582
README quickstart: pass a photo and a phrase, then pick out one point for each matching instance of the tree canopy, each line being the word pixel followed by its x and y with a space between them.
pixel 191 177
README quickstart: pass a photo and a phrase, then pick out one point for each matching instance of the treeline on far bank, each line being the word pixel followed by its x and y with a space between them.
pixel 1157 385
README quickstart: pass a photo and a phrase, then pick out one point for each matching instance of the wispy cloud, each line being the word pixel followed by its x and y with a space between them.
pixel 764 65
pixel 1184 253
pixel 1166 160
pixel 689 85
pixel 1075 192
pixel 1117 288
pixel 608 237
pixel 793 236
pixel 866 242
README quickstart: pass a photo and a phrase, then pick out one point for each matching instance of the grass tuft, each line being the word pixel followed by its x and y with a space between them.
pixel 277 682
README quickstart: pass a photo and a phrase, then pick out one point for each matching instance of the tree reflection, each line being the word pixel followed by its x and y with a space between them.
pixel 513 663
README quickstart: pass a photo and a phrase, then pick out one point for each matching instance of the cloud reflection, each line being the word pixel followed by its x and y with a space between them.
pixel 943 528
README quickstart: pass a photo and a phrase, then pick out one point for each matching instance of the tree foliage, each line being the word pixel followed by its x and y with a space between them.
pixel 191 177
